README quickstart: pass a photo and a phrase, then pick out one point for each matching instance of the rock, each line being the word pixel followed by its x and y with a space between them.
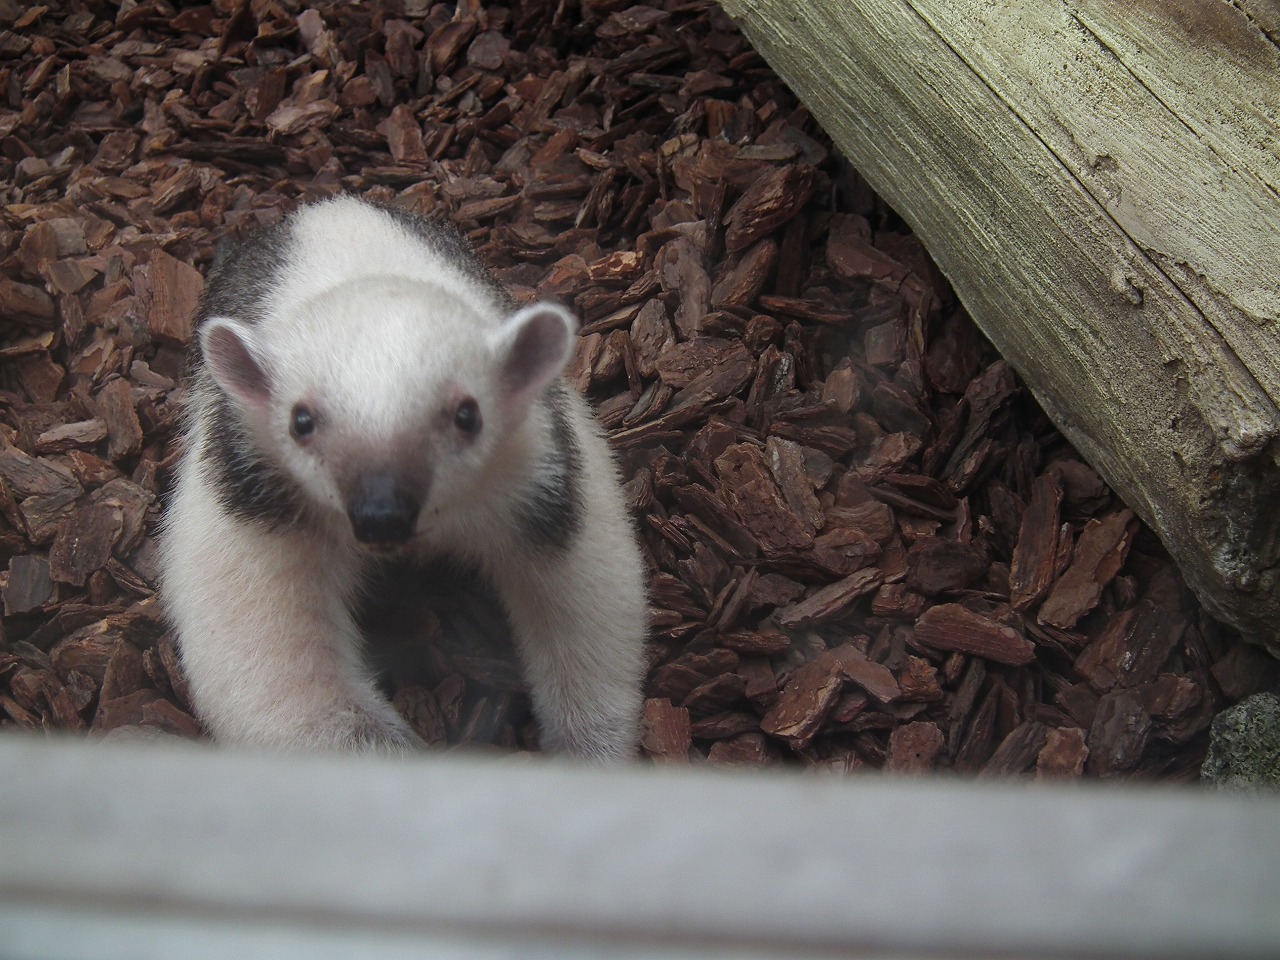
pixel 1244 746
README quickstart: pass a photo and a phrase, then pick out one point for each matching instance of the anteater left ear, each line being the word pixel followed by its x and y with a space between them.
pixel 532 348
pixel 233 358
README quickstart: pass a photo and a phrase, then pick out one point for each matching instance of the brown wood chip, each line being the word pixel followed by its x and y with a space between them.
pixel 115 407
pixel 949 626
pixel 1018 751
pixel 1119 733
pixel 665 731
pixel 872 677
pixel 805 700
pixel 175 288
pixel 84 543
pixel 1099 554
pixel 1063 755
pixel 1033 567
pixel 831 602
pixel 29 585
pixel 914 747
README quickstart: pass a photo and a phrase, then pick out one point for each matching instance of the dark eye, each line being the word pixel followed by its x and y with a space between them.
pixel 302 423
pixel 467 417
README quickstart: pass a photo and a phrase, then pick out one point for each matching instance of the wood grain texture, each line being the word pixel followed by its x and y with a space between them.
pixel 1101 184
pixel 125 850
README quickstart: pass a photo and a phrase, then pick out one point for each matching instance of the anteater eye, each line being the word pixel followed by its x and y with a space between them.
pixel 467 417
pixel 302 423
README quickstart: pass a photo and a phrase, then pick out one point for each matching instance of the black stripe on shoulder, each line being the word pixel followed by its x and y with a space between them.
pixel 245 272
pixel 242 277
pixel 246 484
pixel 552 514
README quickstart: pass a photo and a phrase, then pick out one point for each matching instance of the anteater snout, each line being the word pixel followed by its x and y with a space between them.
pixel 382 513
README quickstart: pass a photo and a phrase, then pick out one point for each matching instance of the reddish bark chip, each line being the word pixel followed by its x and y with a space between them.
pixel 787 464
pixel 84 543
pixel 23 300
pixel 115 406
pixel 918 681
pixel 418 705
pixel 164 716
pixel 125 673
pixel 843 551
pixel 872 677
pixel 175 290
pixel 1017 751
pixel 768 203
pixel 831 602
pixel 1063 755
pixel 936 565
pixel 914 747
pixel 805 700
pixel 665 734
pixel 1245 670
pixel 1131 648
pixel 746 750
pixel 721 726
pixel 767 643
pixel 761 685
pixel 950 626
pixel 1099 554
pixel 1118 735
pixel 1033 566
pixel 29 585
pixel 741 285
pixel 66 436
pixel 123 711
pixel 718 693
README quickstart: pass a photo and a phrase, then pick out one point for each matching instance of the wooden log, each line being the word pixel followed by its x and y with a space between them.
pixel 1099 183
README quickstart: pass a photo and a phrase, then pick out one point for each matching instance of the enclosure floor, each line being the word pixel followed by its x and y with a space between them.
pixel 869 547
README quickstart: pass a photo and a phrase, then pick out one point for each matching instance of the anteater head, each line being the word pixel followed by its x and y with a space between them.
pixel 388 401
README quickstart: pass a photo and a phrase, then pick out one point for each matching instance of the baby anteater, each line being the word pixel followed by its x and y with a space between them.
pixel 364 388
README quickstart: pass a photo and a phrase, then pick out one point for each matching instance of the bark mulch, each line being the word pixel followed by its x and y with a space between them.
pixel 869 547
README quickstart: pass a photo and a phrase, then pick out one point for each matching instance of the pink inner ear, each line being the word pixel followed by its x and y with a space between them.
pixel 538 349
pixel 230 359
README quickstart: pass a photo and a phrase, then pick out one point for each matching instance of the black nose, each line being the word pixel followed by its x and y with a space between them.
pixel 380 513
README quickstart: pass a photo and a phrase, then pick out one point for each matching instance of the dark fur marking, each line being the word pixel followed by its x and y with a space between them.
pixel 245 273
pixel 247 485
pixel 241 279
pixel 552 513
pixel 403 596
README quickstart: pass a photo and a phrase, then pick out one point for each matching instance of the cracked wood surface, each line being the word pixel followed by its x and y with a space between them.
pixel 1099 182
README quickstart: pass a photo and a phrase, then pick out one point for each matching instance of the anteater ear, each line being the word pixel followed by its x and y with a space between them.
pixel 233 359
pixel 532 348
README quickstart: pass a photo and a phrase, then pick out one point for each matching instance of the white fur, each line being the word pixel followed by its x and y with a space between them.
pixel 381 334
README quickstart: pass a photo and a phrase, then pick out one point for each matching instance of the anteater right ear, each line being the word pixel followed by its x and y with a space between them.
pixel 533 346
pixel 233 359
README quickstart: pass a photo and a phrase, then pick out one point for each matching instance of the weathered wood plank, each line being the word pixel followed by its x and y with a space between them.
pixel 108 848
